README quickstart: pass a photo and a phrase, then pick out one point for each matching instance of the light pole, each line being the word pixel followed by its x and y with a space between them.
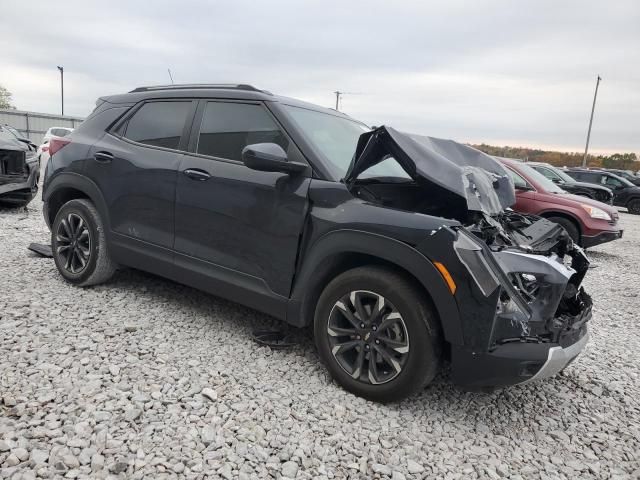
pixel 593 107
pixel 61 87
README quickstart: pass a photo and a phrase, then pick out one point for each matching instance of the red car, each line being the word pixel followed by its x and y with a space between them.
pixel 587 221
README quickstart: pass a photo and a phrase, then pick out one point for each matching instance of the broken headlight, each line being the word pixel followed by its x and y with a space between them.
pixel 472 256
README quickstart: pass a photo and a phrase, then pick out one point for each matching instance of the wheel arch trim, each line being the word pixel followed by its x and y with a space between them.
pixel 75 181
pixel 309 281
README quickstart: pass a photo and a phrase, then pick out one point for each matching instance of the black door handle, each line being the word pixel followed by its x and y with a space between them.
pixel 196 174
pixel 103 157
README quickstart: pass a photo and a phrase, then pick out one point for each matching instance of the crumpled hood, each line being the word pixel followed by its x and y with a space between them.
pixel 476 177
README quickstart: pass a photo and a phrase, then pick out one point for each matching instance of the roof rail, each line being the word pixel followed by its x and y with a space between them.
pixel 195 86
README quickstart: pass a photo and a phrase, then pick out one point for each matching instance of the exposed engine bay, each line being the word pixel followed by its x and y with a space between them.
pixel 526 266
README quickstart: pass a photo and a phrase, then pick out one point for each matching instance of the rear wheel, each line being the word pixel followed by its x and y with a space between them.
pixel 377 334
pixel 569 226
pixel 634 207
pixel 79 245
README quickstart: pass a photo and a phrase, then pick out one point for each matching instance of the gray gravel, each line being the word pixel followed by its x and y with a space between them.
pixel 146 378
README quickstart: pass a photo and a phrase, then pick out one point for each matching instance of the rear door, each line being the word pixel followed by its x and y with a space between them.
pixel 135 166
pixel 234 223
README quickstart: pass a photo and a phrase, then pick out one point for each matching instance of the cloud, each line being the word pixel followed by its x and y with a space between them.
pixel 494 71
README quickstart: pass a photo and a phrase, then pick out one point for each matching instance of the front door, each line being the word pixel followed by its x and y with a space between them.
pixel 236 223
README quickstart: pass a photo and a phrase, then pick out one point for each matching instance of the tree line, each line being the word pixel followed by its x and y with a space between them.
pixel 623 161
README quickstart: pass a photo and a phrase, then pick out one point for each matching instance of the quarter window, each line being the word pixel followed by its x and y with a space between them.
pixel 229 127
pixel 158 123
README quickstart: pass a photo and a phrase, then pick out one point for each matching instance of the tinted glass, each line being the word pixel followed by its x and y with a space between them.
pixel 334 137
pixel 158 123
pixel 550 174
pixel 229 127
pixel 540 179
pixel 611 181
pixel 518 181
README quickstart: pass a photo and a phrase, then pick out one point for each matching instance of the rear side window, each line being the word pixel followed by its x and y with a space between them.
pixel 158 123
pixel 229 127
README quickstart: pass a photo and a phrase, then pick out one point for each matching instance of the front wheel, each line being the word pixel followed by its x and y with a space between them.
pixel 79 244
pixel 377 334
pixel 569 226
pixel 634 207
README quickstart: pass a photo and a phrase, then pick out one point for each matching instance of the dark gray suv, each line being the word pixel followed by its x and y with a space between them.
pixel 400 250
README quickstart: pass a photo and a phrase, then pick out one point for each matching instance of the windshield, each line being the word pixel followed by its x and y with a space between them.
pixel 336 138
pixel 540 179
pixel 623 180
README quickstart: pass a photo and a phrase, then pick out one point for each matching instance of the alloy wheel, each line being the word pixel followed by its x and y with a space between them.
pixel 73 243
pixel 368 337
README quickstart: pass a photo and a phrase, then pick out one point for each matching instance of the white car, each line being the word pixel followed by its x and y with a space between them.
pixel 43 150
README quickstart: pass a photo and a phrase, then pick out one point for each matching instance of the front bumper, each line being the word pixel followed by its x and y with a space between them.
pixel 602 237
pixel 513 363
pixel 19 189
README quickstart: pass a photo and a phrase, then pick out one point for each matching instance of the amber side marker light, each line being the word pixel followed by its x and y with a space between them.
pixel 447 277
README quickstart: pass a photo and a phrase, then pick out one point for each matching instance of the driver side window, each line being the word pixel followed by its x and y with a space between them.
pixel 550 174
pixel 518 181
pixel 611 182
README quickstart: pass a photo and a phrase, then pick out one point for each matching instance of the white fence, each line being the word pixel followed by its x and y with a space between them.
pixel 34 125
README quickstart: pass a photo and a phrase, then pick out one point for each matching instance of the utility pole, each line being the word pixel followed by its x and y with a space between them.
pixel 61 87
pixel 593 107
pixel 338 93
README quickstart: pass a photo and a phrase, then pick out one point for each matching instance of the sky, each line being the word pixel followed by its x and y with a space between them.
pixel 502 72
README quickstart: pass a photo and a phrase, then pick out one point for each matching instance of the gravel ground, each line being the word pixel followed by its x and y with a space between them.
pixel 146 378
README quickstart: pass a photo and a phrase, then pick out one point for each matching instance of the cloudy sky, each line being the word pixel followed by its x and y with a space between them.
pixel 501 72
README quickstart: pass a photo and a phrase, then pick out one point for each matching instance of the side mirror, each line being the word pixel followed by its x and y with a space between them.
pixel 269 157
pixel 557 181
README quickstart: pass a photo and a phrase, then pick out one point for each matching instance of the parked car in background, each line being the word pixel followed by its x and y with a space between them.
pixel 43 149
pixel 626 174
pixel 571 185
pixel 396 248
pixel 20 137
pixel 587 221
pixel 625 193
pixel 19 170
pixel 56 132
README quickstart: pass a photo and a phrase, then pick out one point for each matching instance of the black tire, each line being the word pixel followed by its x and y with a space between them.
pixel 86 240
pixel 569 226
pixel 419 329
pixel 603 197
pixel 634 206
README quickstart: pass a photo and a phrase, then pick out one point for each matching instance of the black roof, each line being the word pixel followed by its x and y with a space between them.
pixel 234 91
pixel 200 86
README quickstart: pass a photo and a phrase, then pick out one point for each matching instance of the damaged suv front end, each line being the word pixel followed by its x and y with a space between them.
pixel 19 171
pixel 516 279
pixel 524 313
